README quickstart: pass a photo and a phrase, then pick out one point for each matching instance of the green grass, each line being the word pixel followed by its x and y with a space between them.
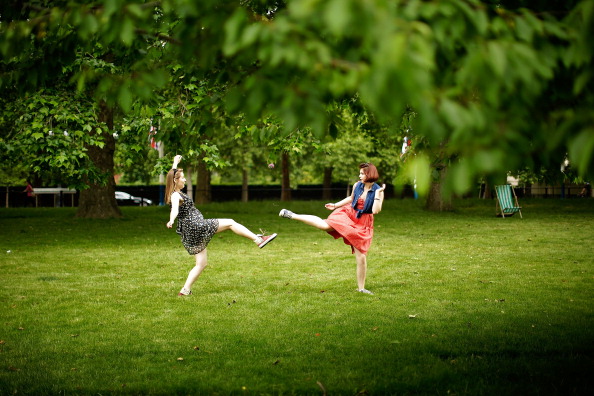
pixel 466 303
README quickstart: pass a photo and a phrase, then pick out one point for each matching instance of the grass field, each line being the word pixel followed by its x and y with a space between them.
pixel 465 303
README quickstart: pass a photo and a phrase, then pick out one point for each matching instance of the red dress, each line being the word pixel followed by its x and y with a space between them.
pixel 355 232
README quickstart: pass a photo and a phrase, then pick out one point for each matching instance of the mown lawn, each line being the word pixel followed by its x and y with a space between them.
pixel 465 303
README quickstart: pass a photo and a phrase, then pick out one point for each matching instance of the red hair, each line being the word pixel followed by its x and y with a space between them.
pixel 371 174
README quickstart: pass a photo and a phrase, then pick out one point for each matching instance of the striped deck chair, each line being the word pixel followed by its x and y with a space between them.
pixel 507 202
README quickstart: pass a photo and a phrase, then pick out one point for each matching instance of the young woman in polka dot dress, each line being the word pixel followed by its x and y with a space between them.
pixel 196 231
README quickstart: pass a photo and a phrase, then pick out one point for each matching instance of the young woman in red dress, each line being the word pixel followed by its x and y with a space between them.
pixel 352 218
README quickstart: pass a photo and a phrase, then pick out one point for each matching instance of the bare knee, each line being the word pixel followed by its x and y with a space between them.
pixel 201 259
pixel 201 264
pixel 361 257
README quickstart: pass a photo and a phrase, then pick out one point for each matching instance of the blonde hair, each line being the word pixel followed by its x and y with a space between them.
pixel 172 177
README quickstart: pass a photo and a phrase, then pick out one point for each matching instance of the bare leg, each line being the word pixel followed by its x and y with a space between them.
pixel 230 224
pixel 361 268
pixel 195 272
pixel 313 221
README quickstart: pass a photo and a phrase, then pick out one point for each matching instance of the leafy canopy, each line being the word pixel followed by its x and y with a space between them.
pixel 497 88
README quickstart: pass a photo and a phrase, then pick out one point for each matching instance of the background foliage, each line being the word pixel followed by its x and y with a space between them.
pixel 495 86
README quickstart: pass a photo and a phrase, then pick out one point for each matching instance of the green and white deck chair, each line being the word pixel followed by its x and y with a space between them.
pixel 507 202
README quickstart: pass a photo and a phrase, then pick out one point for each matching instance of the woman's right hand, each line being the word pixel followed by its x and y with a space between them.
pixel 169 224
pixel 176 160
pixel 330 206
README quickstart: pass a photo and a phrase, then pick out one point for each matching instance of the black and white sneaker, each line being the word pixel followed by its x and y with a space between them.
pixel 286 213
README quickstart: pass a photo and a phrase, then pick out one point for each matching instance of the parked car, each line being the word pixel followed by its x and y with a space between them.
pixel 126 199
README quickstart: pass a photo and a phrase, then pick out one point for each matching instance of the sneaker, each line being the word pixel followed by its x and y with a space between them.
pixel 365 291
pixel 184 292
pixel 286 213
pixel 265 240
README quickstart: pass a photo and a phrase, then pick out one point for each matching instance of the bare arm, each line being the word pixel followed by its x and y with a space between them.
pixel 176 160
pixel 346 201
pixel 175 198
pixel 378 200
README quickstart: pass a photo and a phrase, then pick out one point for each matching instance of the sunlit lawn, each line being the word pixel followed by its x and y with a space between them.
pixel 465 303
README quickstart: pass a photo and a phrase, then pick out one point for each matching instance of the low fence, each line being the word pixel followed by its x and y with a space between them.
pixel 564 191
pixel 44 197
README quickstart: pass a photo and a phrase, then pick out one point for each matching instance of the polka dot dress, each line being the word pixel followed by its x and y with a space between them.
pixel 194 229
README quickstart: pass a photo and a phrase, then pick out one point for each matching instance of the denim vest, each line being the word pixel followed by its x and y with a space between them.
pixel 367 208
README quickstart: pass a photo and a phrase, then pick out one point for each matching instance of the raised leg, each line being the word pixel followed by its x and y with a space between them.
pixel 310 220
pixel 239 229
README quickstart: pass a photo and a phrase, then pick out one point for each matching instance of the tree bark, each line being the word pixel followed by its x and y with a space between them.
pixel 286 179
pixel 245 185
pixel 203 190
pixel 435 201
pixel 487 194
pixel 327 189
pixel 189 183
pixel 98 201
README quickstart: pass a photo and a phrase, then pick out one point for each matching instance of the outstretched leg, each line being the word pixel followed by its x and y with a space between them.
pixel 310 220
pixel 201 263
pixel 241 230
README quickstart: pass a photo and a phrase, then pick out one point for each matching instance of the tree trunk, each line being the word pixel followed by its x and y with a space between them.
pixel 435 201
pixel 203 191
pixel 286 180
pixel 98 201
pixel 327 190
pixel 189 184
pixel 487 194
pixel 245 175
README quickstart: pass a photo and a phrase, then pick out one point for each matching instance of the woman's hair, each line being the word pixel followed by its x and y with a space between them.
pixel 172 176
pixel 371 174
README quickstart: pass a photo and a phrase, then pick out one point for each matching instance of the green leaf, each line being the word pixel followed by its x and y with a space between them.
pixel 127 31
pixel 304 9
pixel 109 7
pixel 417 171
pixel 125 98
pixel 452 112
pixel 581 81
pixel 497 58
pixel 488 160
pixel 250 34
pixel 135 10
pixel 581 150
pixel 460 175
pixel 89 24
pixel 233 28
pixel 337 16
